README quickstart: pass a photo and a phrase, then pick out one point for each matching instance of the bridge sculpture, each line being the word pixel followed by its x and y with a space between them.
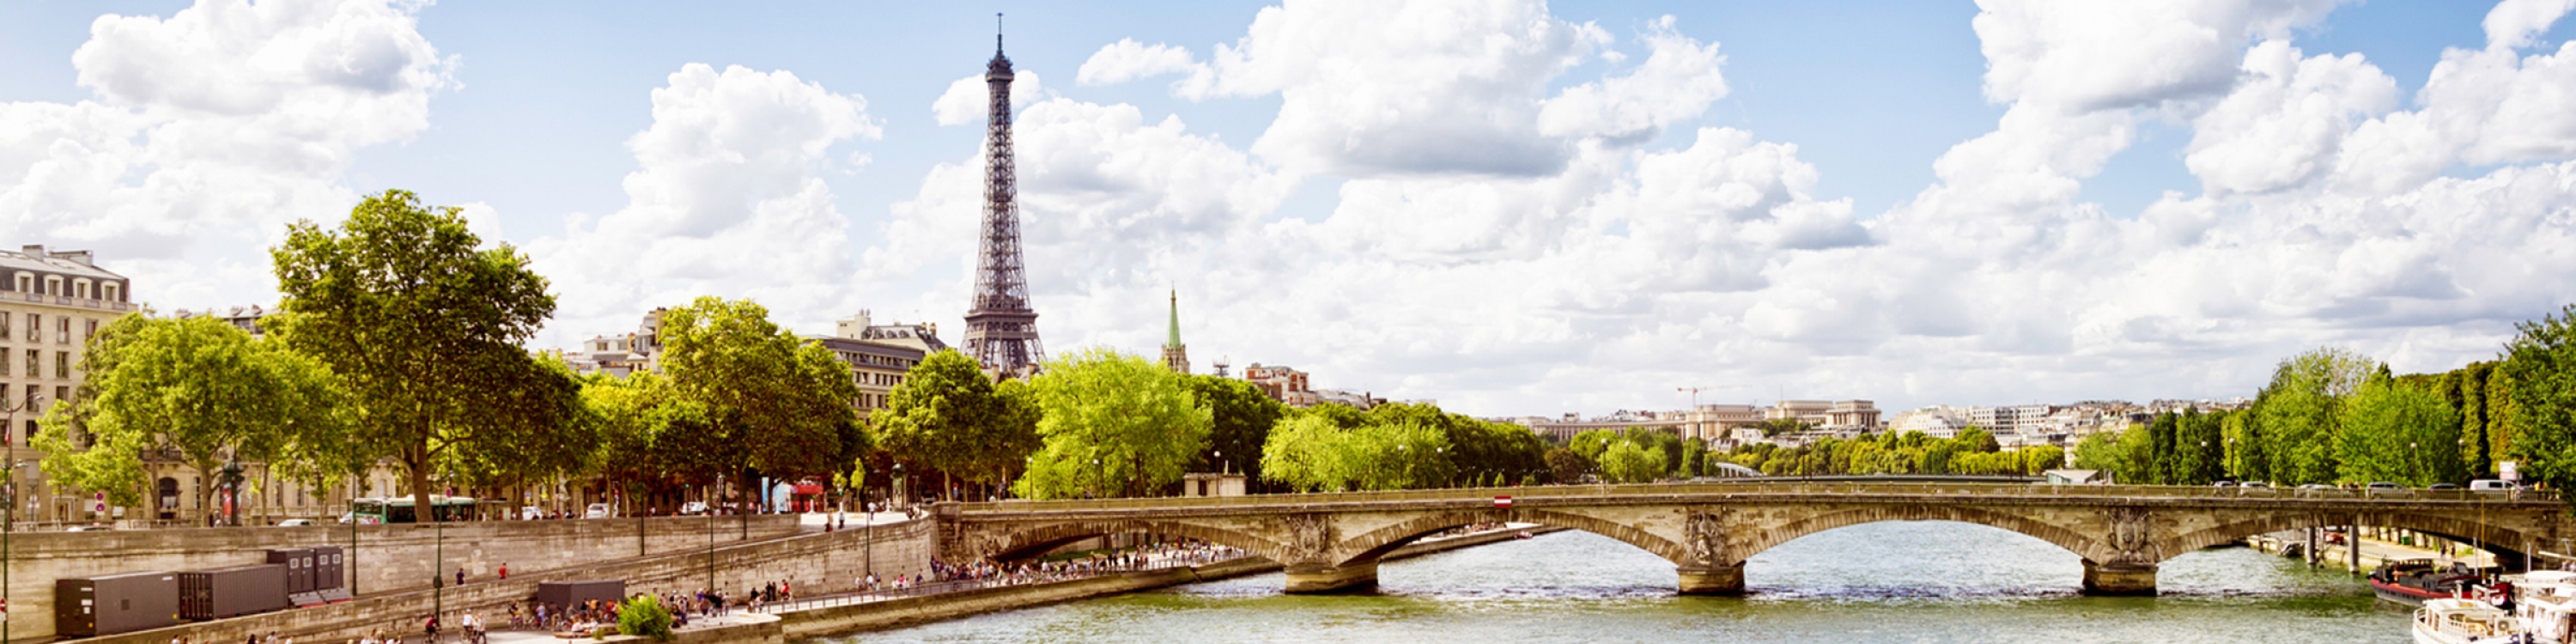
pixel 1331 542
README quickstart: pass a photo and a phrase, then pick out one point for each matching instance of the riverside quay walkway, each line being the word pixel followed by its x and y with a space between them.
pixel 1329 542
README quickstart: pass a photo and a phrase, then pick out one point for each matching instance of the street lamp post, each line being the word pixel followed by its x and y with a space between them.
pixel 711 546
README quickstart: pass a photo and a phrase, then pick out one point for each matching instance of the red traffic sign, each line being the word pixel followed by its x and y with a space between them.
pixel 1502 502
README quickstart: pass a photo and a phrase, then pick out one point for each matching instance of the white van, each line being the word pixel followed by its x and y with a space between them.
pixel 597 511
pixel 2491 485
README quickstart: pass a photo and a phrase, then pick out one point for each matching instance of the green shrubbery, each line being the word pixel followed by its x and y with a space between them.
pixel 643 616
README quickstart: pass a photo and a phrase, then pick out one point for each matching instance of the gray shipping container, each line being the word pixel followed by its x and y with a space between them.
pixel 572 593
pixel 232 592
pixel 115 604
pixel 299 568
pixel 330 568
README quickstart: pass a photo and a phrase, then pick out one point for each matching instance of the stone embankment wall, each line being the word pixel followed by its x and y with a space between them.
pixel 896 613
pixel 675 559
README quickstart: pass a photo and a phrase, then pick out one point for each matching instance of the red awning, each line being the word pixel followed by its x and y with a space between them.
pixel 809 489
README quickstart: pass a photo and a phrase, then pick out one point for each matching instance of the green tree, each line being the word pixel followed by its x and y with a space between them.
pixel 1308 453
pixel 2540 375
pixel 198 389
pixel 1567 467
pixel 2245 457
pixel 1113 424
pixel 1241 418
pixel 2398 433
pixel 2103 451
pixel 540 429
pixel 2298 411
pixel 948 415
pixel 778 401
pixel 1626 462
pixel 422 328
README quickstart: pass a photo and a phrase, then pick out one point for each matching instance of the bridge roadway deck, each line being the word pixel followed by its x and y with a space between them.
pixel 1330 541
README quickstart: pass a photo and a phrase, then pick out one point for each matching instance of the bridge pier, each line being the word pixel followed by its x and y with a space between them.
pixel 1315 578
pixel 1712 580
pixel 2119 579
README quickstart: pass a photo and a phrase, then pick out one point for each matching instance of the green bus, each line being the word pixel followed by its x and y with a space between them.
pixel 371 511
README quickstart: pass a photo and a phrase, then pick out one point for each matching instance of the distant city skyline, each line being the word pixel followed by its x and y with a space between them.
pixel 1510 207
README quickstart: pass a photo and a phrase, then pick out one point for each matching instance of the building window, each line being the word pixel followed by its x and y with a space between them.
pixel 53 286
pixel 35 369
pixel 62 392
pixel 35 328
pixel 62 366
pixel 31 424
pixel 80 289
pixel 26 283
pixel 62 330
pixel 91 333
pixel 4 326
pixel 111 293
pixel 33 397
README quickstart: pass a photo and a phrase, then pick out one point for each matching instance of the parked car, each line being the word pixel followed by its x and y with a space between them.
pixel 2384 485
pixel 295 523
pixel 596 511
pixel 88 528
pixel 2254 484
pixel 2492 485
pixel 2442 486
pixel 531 513
pixel 693 508
pixel 2223 484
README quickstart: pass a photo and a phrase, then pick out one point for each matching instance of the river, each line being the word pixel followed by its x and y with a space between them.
pixel 1922 581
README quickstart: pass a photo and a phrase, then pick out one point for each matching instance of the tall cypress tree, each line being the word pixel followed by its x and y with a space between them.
pixel 2472 384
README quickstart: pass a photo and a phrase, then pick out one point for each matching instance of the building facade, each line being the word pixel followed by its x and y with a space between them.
pixel 877 367
pixel 51 302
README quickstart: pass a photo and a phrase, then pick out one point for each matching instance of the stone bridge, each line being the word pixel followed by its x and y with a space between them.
pixel 1331 542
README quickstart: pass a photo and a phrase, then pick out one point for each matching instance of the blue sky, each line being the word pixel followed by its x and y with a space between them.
pixel 1858 270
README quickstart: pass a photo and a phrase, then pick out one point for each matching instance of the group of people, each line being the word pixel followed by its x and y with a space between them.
pixel 254 638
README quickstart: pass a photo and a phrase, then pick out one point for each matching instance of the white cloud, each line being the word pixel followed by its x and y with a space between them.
pixel 968 100
pixel 2286 121
pixel 1128 60
pixel 1406 88
pixel 2513 23
pixel 727 201
pixel 1676 83
pixel 210 129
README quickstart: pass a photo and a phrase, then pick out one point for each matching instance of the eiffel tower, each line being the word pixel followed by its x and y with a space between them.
pixel 1001 329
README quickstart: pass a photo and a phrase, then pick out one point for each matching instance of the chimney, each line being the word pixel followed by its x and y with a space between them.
pixel 33 251
pixel 81 256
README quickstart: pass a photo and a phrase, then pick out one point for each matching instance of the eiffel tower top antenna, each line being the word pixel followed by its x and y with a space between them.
pixel 997 32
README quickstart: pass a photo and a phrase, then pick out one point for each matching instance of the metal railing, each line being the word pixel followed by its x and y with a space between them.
pixel 1784 488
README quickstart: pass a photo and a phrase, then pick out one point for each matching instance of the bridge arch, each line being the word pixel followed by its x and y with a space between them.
pixel 1024 544
pixel 1377 543
pixel 1746 544
pixel 2506 543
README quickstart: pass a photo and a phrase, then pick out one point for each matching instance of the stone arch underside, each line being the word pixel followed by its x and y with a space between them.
pixel 1031 542
pixel 2506 543
pixel 1376 543
pixel 1744 544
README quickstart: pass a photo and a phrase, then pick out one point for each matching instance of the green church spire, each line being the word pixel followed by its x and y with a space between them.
pixel 1176 320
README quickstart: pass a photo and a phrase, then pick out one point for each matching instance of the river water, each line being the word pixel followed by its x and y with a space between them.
pixel 1922 581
